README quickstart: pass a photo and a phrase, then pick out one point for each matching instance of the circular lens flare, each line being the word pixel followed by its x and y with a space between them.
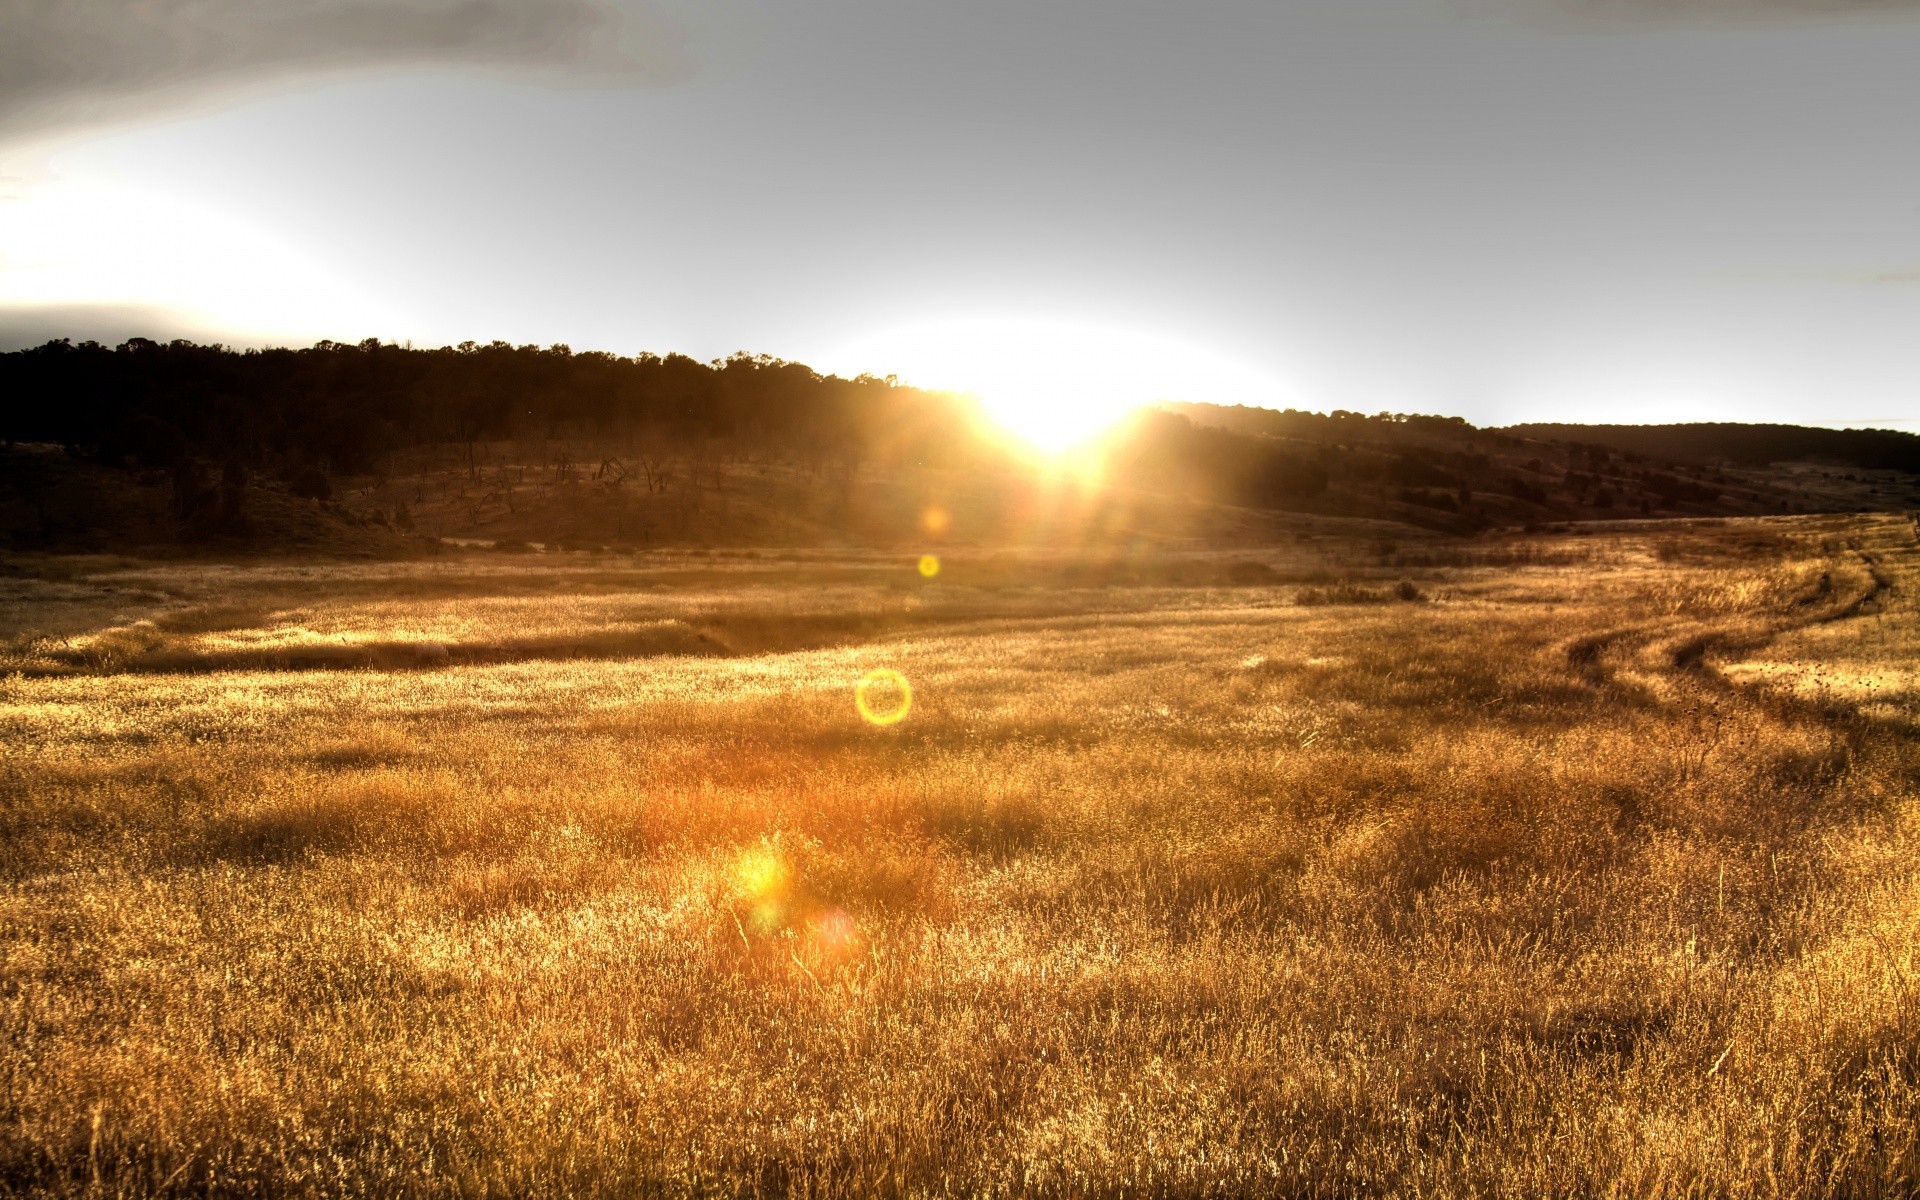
pixel 929 565
pixel 894 696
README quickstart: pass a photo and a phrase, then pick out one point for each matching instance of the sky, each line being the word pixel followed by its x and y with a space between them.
pixel 1507 210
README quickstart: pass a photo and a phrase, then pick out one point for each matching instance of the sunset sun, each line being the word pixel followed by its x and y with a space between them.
pixel 1055 383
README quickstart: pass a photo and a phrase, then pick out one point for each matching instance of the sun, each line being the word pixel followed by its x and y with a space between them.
pixel 1053 383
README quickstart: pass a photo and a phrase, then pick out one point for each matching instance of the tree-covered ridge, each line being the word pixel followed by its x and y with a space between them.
pixel 1703 442
pixel 1744 444
pixel 186 442
pixel 345 407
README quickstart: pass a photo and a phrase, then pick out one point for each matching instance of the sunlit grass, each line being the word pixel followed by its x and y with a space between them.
pixel 1155 888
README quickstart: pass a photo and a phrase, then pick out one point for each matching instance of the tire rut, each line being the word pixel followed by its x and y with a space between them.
pixel 1596 659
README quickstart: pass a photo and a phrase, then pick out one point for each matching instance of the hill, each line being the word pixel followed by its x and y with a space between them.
pixel 383 449
pixel 1718 442
pixel 1394 465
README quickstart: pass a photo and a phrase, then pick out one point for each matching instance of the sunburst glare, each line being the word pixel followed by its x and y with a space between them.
pixel 1056 383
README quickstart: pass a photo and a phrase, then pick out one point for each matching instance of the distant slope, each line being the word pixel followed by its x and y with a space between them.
pixel 1447 474
pixel 1337 426
pixel 1744 445
pixel 737 503
pixel 376 448
pixel 52 501
pixel 55 502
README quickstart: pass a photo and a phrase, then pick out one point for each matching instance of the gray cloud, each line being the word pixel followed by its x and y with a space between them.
pixel 1637 14
pixel 71 61
pixel 32 325
pixel 1896 276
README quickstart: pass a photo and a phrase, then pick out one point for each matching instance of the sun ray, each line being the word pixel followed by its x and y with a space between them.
pixel 1055 384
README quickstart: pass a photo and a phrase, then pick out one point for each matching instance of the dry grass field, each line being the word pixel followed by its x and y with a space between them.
pixel 1586 865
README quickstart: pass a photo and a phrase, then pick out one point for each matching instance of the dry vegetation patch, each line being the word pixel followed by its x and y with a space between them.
pixel 1158 889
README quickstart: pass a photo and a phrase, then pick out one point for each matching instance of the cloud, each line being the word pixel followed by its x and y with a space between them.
pixel 1601 15
pixel 72 61
pixel 22 326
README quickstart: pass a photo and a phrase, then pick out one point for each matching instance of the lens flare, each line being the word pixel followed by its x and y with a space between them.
pixel 934 519
pixel 883 680
pixel 929 565
pixel 837 937
pixel 760 873
pixel 762 880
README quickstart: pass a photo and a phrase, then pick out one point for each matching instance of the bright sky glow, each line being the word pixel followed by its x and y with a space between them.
pixel 1056 383
pixel 78 242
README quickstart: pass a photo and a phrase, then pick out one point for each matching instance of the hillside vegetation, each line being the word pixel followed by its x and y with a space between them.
pixel 1747 445
pixel 382 449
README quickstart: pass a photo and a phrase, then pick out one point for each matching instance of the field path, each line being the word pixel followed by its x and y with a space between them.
pixel 1661 653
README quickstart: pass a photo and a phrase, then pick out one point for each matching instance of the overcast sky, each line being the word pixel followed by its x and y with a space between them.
pixel 1505 209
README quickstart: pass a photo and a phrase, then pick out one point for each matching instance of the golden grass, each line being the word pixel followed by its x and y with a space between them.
pixel 1555 884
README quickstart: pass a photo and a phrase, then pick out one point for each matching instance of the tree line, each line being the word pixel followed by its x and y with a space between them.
pixel 1745 445
pixel 347 407
pixel 206 411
